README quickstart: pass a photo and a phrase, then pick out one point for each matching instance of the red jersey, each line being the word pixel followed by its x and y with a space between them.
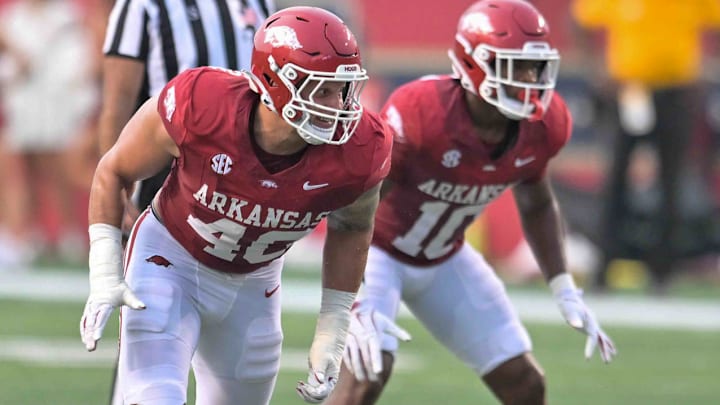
pixel 443 175
pixel 220 202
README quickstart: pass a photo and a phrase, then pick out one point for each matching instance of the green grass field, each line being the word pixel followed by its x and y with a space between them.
pixel 654 366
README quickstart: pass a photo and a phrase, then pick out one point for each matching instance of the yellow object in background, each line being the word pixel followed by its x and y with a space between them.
pixel 627 275
pixel 654 42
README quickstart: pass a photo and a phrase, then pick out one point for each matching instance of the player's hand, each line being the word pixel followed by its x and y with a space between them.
pixel 317 387
pixel 363 352
pixel 327 347
pixel 107 286
pixel 324 364
pixel 580 317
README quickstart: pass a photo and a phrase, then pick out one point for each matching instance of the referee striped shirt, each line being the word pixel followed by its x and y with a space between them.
pixel 170 36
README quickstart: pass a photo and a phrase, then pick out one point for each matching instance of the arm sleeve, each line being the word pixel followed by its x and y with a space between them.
pixel 126 33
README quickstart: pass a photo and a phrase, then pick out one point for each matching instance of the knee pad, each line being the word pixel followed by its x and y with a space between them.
pixel 161 317
pixel 261 356
pixel 157 393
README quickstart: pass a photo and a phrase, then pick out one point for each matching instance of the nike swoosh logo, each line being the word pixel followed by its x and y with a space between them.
pixel 307 186
pixel 522 162
pixel 271 292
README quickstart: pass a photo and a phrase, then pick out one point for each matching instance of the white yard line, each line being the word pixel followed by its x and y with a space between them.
pixel 304 297
pixel 69 353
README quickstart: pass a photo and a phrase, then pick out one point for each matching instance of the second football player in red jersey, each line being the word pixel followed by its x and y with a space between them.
pixel 461 141
pixel 259 159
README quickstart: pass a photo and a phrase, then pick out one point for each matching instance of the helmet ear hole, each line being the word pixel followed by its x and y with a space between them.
pixel 269 80
pixel 484 55
pixel 291 74
pixel 468 65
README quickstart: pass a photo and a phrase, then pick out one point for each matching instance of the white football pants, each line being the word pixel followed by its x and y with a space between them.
pixel 226 326
pixel 461 302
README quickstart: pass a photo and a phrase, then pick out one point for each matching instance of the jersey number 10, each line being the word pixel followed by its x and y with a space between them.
pixel 432 212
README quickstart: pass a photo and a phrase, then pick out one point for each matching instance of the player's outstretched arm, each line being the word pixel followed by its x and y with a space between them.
pixel 344 257
pixel 542 225
pixel 143 149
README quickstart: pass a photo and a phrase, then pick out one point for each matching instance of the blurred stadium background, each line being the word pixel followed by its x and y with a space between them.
pixel 668 345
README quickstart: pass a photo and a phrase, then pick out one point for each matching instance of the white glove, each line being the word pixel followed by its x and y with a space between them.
pixel 327 346
pixel 107 287
pixel 316 389
pixel 580 317
pixel 363 354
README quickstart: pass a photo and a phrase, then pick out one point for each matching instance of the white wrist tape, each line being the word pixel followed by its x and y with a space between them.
pixel 105 258
pixel 336 300
pixel 104 231
pixel 562 282
pixel 334 320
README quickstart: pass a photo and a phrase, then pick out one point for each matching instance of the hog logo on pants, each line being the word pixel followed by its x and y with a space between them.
pixel 159 260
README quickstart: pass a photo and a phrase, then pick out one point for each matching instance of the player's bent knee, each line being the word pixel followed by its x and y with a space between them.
pixel 372 392
pixel 351 391
pixel 158 393
pixel 261 358
pixel 518 381
pixel 356 392
pixel 369 392
pixel 532 386
pixel 155 374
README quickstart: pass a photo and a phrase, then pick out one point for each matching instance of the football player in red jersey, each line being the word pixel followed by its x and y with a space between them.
pixel 492 126
pixel 259 159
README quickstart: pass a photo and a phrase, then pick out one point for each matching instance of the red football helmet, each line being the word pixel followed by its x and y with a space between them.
pixel 296 52
pixel 492 36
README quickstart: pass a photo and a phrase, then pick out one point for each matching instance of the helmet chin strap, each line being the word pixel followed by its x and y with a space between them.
pixel 509 114
pixel 533 98
pixel 314 135
pixel 311 140
pixel 514 109
pixel 538 110
pixel 305 130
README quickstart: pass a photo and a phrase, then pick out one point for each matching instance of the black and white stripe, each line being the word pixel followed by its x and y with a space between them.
pixel 173 35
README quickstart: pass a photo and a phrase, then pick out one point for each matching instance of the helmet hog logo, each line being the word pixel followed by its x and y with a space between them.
pixel 159 260
pixel 282 36
pixel 476 22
